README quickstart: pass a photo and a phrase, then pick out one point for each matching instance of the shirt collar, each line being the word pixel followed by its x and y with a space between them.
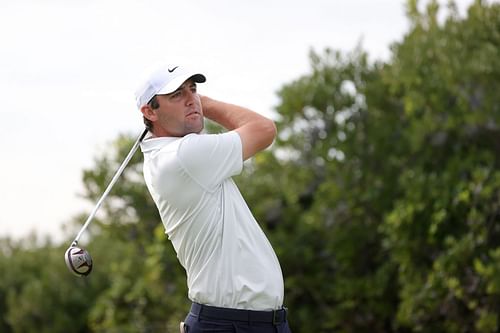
pixel 152 143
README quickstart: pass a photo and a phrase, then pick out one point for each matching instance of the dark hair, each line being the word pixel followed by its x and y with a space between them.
pixel 153 103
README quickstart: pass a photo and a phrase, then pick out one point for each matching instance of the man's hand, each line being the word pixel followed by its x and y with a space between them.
pixel 256 131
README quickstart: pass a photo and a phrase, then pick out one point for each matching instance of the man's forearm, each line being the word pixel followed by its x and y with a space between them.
pixel 256 131
pixel 228 115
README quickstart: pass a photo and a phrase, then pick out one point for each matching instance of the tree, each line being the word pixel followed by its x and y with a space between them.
pixel 443 229
pixel 385 182
pixel 38 294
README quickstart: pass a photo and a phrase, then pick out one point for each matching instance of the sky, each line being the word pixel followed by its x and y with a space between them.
pixel 69 68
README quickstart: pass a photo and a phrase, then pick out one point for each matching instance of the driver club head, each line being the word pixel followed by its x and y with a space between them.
pixel 78 260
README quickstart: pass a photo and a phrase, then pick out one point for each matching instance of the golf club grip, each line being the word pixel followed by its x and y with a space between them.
pixel 110 185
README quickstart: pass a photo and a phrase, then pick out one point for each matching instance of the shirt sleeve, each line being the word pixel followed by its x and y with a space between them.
pixel 211 158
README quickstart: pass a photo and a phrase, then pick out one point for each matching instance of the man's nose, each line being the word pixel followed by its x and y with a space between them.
pixel 190 97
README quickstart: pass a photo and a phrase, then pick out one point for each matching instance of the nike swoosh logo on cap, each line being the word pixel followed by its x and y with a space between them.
pixel 173 69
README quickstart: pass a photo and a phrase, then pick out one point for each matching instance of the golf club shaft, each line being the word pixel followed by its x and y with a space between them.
pixel 110 186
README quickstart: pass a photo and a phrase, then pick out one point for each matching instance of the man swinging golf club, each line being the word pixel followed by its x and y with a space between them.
pixel 233 275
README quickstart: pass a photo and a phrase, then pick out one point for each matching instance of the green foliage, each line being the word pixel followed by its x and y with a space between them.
pixel 385 182
pixel 380 197
pixel 38 294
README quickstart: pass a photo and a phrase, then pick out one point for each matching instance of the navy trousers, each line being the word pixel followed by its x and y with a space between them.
pixel 202 319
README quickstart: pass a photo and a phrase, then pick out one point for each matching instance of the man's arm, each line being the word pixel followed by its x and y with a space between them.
pixel 256 131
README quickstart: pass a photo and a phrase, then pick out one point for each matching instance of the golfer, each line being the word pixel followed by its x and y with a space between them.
pixel 233 275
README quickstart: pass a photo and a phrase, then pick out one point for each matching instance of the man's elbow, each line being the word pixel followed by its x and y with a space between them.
pixel 269 132
pixel 257 136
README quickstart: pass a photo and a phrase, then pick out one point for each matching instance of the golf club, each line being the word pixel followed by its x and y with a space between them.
pixel 78 259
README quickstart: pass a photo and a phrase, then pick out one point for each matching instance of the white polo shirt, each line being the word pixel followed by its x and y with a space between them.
pixel 228 259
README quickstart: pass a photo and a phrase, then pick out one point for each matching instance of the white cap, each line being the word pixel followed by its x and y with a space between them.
pixel 164 79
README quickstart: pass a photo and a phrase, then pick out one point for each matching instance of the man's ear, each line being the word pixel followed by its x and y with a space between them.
pixel 148 113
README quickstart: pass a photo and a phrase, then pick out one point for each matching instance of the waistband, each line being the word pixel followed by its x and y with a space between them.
pixel 212 312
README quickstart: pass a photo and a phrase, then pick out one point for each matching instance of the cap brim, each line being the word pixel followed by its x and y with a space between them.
pixel 178 81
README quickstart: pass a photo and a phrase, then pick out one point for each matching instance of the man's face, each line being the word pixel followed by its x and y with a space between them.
pixel 180 112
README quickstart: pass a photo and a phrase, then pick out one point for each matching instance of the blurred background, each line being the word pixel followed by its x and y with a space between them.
pixel 380 196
